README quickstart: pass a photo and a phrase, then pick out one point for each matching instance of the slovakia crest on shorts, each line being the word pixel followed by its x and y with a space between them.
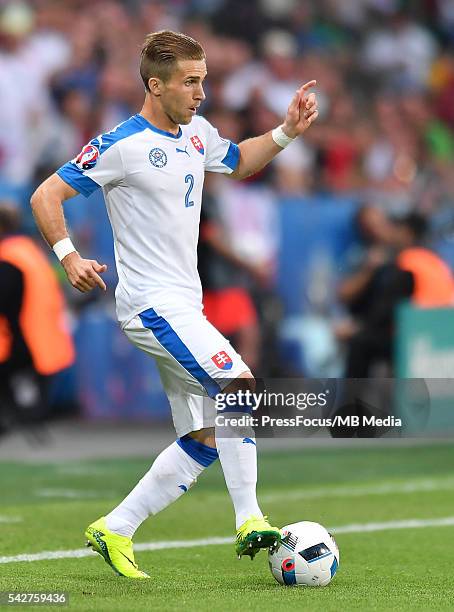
pixel 198 144
pixel 222 361
pixel 87 158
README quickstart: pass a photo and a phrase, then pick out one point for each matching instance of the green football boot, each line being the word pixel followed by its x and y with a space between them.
pixel 115 549
pixel 254 534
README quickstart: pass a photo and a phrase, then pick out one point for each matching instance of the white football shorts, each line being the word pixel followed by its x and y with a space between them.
pixel 194 359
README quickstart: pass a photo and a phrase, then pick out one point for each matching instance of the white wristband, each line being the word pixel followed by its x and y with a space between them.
pixel 280 137
pixel 63 247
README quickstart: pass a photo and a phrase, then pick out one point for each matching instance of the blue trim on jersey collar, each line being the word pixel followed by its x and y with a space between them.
pixel 149 125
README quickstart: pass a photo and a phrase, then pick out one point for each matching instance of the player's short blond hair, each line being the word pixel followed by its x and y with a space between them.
pixel 161 52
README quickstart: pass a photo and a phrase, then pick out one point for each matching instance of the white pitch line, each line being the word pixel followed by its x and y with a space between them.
pixel 383 489
pixel 353 528
pixel 10 519
pixel 48 555
pixel 72 494
pixel 407 524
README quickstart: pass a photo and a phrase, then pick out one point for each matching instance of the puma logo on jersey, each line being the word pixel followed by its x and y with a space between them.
pixel 185 150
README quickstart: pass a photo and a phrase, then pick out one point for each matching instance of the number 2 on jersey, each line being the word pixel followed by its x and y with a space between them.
pixel 189 179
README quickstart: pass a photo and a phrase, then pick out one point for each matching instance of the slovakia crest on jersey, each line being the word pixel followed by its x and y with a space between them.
pixel 198 144
pixel 222 361
pixel 87 158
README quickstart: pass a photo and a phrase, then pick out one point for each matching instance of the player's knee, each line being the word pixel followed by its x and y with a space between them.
pixel 204 436
pixel 244 382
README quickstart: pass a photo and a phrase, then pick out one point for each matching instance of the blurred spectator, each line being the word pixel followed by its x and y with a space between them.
pixel 412 272
pixel 30 54
pixel 339 150
pixel 375 238
pixel 400 51
pixel 227 303
pixel 34 340
pixel 442 82
pixel 433 282
pixel 293 169
pixel 437 139
pixel 274 81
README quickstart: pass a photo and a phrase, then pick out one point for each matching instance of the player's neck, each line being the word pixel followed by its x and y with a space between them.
pixel 157 117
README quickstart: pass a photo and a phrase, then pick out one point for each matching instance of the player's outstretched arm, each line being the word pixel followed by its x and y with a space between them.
pixel 47 206
pixel 255 153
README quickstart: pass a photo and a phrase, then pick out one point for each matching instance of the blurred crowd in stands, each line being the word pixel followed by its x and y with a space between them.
pixel 384 70
pixel 383 146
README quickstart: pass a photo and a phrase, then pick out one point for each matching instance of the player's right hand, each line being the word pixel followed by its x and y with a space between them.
pixel 83 274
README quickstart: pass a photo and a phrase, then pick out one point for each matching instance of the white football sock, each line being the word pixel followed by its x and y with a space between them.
pixel 171 475
pixel 238 456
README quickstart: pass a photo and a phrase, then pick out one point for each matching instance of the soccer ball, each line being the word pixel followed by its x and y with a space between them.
pixel 307 556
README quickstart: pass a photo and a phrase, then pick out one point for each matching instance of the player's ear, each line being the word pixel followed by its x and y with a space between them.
pixel 155 86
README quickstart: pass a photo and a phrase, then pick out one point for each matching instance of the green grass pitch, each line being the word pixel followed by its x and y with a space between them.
pixel 400 569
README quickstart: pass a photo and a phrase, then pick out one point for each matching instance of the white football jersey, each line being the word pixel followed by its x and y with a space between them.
pixel 152 183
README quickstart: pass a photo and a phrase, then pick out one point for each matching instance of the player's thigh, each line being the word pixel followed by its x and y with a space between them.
pixel 192 356
pixel 197 345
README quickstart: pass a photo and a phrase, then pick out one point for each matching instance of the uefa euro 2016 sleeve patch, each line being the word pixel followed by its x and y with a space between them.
pixel 87 158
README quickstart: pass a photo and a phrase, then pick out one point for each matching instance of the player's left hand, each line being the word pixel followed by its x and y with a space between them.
pixel 302 111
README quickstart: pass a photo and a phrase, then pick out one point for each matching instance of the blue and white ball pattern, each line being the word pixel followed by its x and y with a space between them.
pixel 308 556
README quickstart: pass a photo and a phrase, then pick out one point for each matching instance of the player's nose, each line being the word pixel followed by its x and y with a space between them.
pixel 200 94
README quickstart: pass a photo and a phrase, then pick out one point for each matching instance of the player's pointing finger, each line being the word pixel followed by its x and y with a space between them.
pixel 98 280
pixel 308 85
